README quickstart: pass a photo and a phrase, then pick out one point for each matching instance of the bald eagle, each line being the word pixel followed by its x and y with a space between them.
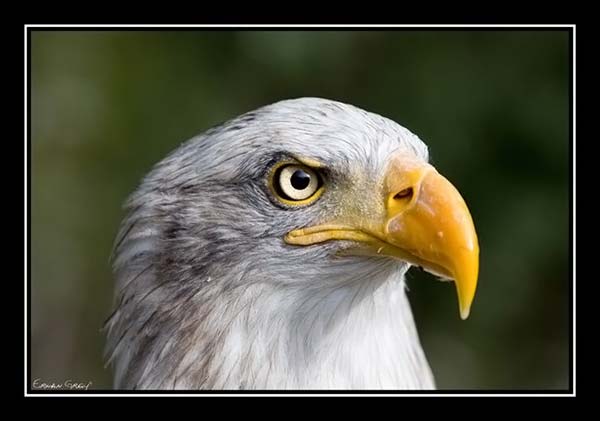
pixel 270 253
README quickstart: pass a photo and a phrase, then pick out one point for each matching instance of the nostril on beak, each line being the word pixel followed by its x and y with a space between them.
pixel 405 194
pixel 400 201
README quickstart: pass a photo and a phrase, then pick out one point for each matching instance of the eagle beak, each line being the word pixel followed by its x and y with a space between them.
pixel 425 222
pixel 429 222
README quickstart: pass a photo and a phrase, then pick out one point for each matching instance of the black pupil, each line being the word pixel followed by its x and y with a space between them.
pixel 300 180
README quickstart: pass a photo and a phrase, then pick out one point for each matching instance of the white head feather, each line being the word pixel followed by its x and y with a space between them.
pixel 208 295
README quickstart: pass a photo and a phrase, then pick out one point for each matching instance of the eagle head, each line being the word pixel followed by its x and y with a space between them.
pixel 269 252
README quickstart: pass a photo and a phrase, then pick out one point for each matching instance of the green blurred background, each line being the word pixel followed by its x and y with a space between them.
pixel 493 106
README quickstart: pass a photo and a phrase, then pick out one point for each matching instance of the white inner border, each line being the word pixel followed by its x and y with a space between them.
pixel 349 393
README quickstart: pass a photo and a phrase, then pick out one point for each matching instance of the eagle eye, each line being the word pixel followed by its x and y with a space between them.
pixel 295 184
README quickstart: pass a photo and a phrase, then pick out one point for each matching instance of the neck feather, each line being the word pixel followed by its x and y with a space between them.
pixel 345 335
